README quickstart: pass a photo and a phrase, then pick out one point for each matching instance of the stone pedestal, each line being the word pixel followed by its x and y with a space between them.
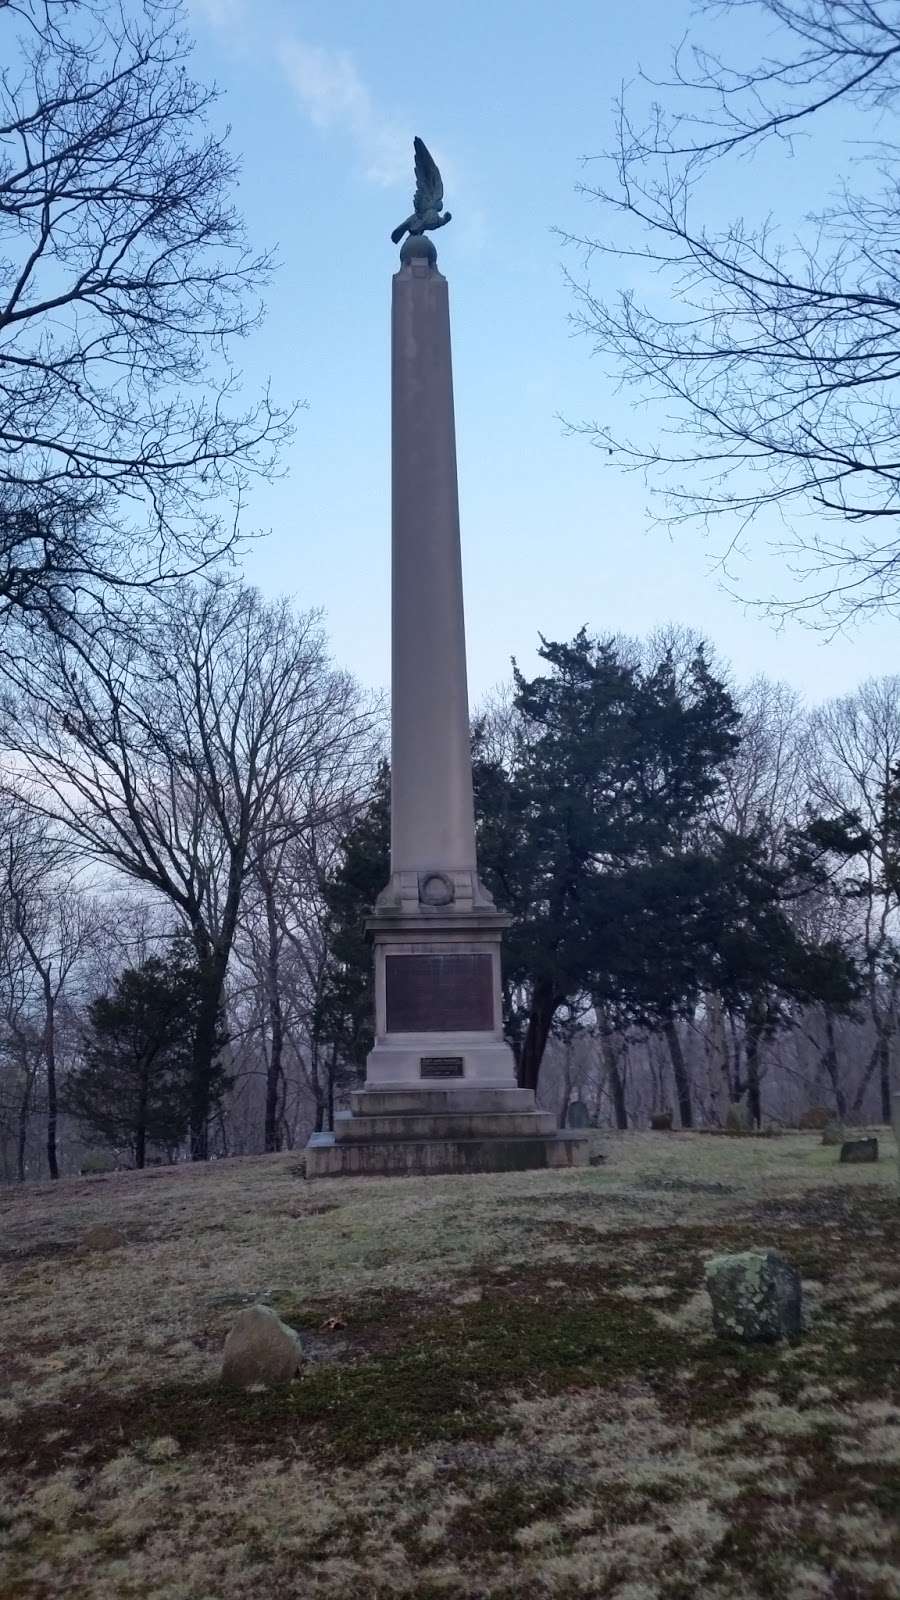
pixel 441 1091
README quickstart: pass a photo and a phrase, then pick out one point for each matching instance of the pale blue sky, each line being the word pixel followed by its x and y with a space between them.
pixel 324 97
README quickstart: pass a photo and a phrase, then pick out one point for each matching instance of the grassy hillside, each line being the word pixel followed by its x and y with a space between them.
pixel 511 1389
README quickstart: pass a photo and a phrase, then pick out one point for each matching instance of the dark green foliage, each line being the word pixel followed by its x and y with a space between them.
pixel 584 838
pixel 133 1083
pixel 595 833
pixel 345 1016
pixel 598 838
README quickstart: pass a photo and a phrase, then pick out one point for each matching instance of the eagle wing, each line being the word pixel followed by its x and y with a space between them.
pixel 429 184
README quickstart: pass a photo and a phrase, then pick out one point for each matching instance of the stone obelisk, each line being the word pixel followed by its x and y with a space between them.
pixel 440 1091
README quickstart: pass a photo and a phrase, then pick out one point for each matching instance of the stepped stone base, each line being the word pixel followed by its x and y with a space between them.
pixel 396 1130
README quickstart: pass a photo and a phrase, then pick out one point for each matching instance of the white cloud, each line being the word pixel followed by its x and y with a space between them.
pixel 335 99
pixel 218 13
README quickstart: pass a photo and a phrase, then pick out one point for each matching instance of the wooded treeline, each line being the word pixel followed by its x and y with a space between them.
pixel 704 882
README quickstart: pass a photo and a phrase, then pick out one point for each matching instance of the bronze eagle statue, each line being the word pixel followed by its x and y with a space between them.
pixel 428 199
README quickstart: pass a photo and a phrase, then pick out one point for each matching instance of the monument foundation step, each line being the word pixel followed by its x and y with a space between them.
pixel 409 1099
pixel 444 1125
pixel 327 1157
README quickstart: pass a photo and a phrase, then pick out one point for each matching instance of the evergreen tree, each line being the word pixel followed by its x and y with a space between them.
pixel 346 1012
pixel 595 832
pixel 614 766
pixel 133 1083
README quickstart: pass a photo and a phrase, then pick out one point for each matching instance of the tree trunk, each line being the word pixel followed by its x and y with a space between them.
pixel 50 1061
pixel 754 1035
pixel 679 1068
pixel 140 1132
pixel 720 1077
pixel 543 1009
pixel 315 1083
pixel 204 1055
pixel 22 1138
pixel 616 1082
pixel 617 1087
pixel 830 1063
pixel 272 1140
pixel 866 1078
pixel 884 1075
pixel 332 1073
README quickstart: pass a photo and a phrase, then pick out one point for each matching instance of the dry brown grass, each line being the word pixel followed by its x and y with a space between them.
pixel 526 1399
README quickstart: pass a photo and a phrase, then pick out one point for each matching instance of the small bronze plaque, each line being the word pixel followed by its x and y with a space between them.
pixel 441 1066
pixel 439 994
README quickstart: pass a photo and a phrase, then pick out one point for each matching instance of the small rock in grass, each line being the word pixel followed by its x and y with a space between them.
pixel 834 1134
pixel 103 1237
pixel 756 1295
pixel 260 1349
pixel 859 1150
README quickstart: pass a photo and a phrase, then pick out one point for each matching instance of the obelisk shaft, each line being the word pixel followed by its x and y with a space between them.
pixel 432 815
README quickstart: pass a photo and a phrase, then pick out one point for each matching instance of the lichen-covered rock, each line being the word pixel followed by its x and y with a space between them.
pixel 260 1349
pixel 756 1295
pixel 859 1150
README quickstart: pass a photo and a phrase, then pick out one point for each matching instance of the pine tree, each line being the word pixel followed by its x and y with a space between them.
pixel 133 1083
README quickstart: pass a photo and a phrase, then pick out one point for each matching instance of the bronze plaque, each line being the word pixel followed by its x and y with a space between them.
pixel 439 994
pixel 441 1066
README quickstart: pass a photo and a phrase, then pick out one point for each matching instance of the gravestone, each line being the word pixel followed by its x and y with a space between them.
pixel 578 1115
pixel 834 1134
pixel 859 1151
pixel 260 1348
pixel 661 1121
pixel 756 1296
pixel 738 1118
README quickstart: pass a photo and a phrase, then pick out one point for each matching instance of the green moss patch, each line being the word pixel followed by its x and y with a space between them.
pixel 438 1382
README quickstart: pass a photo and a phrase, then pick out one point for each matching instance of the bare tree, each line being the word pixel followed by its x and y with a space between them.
pixel 772 346
pixel 764 784
pixel 54 923
pixel 21 1042
pixel 124 277
pixel 854 756
pixel 168 751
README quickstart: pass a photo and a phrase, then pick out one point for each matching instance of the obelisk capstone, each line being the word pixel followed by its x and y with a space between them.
pixel 440 1092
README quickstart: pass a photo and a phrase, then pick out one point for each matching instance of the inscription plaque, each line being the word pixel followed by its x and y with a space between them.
pixel 439 994
pixel 441 1066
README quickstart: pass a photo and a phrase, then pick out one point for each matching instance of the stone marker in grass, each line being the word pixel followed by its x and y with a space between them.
pixel 738 1118
pixel 756 1295
pixel 859 1150
pixel 260 1349
pixel 834 1134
